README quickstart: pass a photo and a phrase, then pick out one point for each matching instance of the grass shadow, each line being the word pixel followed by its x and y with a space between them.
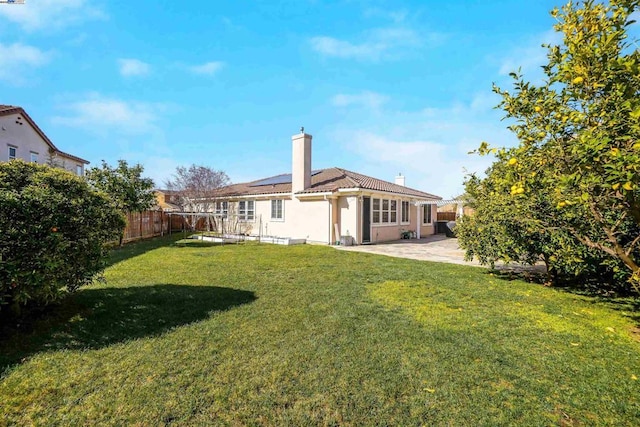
pixel 95 318
pixel 133 249
pixel 511 272
pixel 192 243
pixel 598 293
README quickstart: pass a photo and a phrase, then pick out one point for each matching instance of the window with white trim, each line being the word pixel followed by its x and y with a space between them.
pixel 426 211
pixel 34 157
pixel 277 209
pixel 385 211
pixel 246 210
pixel 222 208
pixel 376 211
pixel 12 152
pixel 79 170
pixel 404 215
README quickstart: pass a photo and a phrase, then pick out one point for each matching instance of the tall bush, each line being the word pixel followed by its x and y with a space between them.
pixel 53 230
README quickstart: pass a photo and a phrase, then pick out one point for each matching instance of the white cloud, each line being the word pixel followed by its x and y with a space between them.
pixel 364 99
pixel 17 59
pixel 378 44
pixel 50 14
pixel 396 16
pixel 435 167
pixel 100 114
pixel 130 67
pixel 329 46
pixel 208 68
pixel 529 56
pixel 430 146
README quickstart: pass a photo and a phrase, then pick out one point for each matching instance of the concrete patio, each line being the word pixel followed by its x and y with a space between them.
pixel 437 247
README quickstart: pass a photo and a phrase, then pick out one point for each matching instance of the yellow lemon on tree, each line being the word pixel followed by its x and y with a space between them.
pixel 538 109
pixel 513 161
pixel 628 186
pixel 577 80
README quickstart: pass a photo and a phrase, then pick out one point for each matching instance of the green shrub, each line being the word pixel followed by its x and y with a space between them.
pixel 53 230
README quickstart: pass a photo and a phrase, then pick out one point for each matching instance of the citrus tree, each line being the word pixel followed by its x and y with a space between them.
pixel 579 146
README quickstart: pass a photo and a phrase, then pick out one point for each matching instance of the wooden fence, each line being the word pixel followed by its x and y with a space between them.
pixel 446 216
pixel 142 225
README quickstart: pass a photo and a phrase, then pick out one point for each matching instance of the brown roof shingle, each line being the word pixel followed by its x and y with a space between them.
pixel 325 180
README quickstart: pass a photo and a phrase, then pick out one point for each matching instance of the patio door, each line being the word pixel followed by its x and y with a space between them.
pixel 366 219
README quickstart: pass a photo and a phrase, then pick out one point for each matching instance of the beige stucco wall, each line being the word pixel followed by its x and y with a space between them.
pixel 426 229
pixel 27 140
pixel 302 220
pixel 301 162
pixel 387 232
pixel 314 220
pixel 348 216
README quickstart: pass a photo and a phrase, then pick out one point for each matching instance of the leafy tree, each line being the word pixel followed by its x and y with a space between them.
pixel 124 184
pixel 510 230
pixel 197 188
pixel 574 177
pixel 53 230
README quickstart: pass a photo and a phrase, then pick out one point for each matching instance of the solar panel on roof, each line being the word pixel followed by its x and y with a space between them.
pixel 280 179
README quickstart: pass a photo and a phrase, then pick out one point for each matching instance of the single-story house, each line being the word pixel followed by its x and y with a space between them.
pixel 323 205
pixel 21 138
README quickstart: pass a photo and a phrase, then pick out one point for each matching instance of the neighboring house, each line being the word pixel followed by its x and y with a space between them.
pixel 21 138
pixel 167 201
pixel 323 205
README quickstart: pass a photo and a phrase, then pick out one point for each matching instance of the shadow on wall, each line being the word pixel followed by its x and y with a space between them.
pixel 96 318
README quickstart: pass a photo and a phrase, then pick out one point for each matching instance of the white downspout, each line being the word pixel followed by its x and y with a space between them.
pixel 419 226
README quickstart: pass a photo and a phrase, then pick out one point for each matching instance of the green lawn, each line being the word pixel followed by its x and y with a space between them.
pixel 306 335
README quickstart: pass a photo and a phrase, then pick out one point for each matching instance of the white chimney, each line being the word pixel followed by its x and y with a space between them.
pixel 301 165
pixel 400 180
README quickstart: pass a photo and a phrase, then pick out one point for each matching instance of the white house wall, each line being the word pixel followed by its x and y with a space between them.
pixel 27 141
pixel 302 220
pixel 348 216
pixel 314 220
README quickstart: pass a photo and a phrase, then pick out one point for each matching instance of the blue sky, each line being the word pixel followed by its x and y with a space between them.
pixel 383 86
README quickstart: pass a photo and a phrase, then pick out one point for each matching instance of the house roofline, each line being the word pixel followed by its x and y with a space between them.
pixel 72 157
pixel 406 196
pixel 338 192
pixel 12 109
